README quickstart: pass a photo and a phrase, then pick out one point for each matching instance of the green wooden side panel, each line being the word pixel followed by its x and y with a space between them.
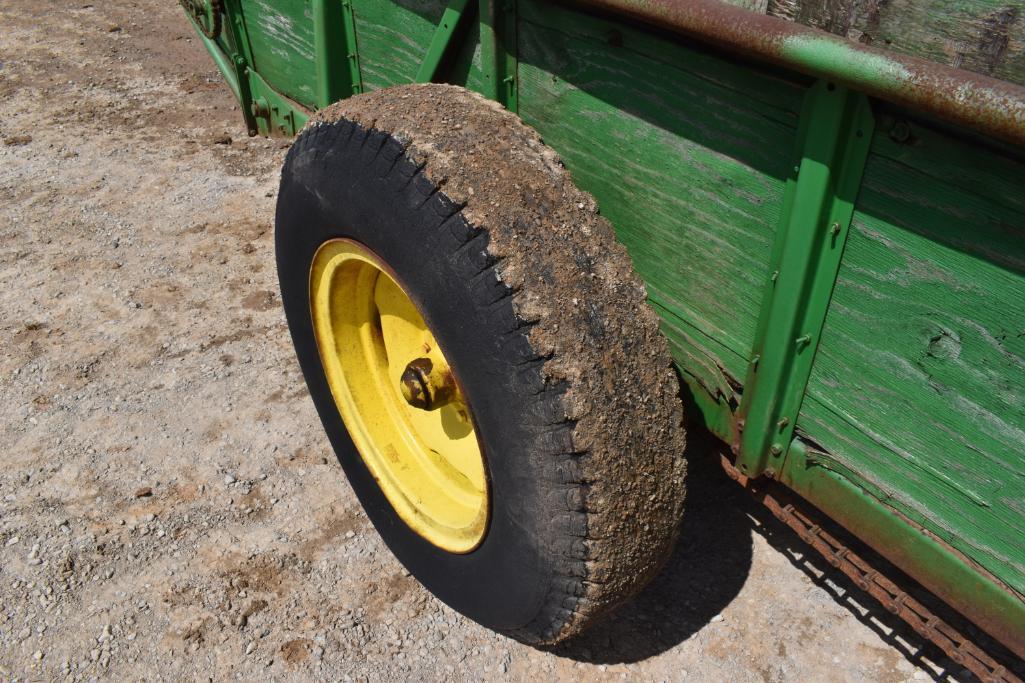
pixel 687 156
pixel 281 36
pixel 392 36
pixel 918 387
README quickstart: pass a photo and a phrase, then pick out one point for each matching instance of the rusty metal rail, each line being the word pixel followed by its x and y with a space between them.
pixel 986 104
pixel 959 647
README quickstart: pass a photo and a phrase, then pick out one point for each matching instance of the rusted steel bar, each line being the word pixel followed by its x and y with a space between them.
pixel 985 104
pixel 891 595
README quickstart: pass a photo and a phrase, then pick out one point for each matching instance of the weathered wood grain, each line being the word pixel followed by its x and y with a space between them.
pixel 281 36
pixel 686 155
pixel 984 36
pixel 918 386
pixel 392 37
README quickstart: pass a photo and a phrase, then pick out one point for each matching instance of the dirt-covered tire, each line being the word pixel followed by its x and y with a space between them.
pixel 546 326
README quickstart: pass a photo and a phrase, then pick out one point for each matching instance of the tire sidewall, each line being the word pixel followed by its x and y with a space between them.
pixel 400 216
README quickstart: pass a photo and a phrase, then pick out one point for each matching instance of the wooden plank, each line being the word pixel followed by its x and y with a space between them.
pixel 281 35
pixel 984 36
pixel 686 155
pixel 918 387
pixel 393 36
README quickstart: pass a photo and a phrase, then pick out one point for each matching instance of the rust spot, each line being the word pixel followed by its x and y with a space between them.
pixel 415 385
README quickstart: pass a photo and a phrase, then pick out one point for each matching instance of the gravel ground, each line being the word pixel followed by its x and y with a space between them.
pixel 169 508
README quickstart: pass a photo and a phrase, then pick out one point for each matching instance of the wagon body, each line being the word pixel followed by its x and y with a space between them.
pixel 834 237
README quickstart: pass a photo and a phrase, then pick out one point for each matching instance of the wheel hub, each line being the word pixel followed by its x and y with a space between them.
pixel 398 397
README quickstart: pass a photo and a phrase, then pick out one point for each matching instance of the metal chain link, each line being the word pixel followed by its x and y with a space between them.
pixel 961 649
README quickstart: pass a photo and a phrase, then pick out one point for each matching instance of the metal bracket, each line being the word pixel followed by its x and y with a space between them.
pixel 498 51
pixel 335 53
pixel 441 43
pixel 834 136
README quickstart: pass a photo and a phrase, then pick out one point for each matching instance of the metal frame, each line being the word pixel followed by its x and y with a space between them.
pixel 818 205
pixel 441 47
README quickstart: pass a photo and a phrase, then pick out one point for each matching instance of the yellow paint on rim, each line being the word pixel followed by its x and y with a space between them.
pixel 428 463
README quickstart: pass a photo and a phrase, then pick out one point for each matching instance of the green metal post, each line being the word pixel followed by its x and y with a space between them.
pixel 498 51
pixel 489 50
pixel 241 61
pixel 336 59
pixel 441 42
pixel 352 49
pixel 833 140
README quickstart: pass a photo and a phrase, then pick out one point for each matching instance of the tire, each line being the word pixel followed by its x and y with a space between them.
pixel 545 324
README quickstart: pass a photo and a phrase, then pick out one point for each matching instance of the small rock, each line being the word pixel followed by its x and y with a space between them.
pixel 222 139
pixel 717 618
pixel 37 655
pixel 250 647
pixel 144 492
pixel 228 480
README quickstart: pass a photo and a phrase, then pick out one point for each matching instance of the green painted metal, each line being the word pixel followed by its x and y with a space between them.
pixel 225 65
pixel 264 109
pixel 352 48
pixel 833 141
pixel 241 57
pixel 966 585
pixel 498 47
pixel 335 52
pixel 275 113
pixel 442 45
pixel 281 38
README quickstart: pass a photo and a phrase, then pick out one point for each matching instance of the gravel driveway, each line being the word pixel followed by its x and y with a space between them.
pixel 169 508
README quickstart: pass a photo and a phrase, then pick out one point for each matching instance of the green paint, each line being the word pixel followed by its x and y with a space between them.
pixel 441 44
pixel 394 37
pixel 829 56
pixel 282 40
pixel 275 114
pixel 352 49
pixel 329 50
pixel 836 126
pixel 489 47
pixel 687 156
pixel 978 596
pixel 919 384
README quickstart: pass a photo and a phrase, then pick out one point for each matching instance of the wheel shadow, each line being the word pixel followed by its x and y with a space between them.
pixel 710 566
pixel 705 573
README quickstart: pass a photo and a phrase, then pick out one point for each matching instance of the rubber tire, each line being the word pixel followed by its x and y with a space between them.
pixel 564 368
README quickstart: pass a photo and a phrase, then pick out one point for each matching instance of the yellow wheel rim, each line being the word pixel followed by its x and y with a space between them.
pixel 398 397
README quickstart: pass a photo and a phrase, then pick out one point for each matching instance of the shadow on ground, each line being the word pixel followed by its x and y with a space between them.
pixel 709 567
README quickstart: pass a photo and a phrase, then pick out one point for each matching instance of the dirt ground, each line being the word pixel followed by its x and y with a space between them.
pixel 169 508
